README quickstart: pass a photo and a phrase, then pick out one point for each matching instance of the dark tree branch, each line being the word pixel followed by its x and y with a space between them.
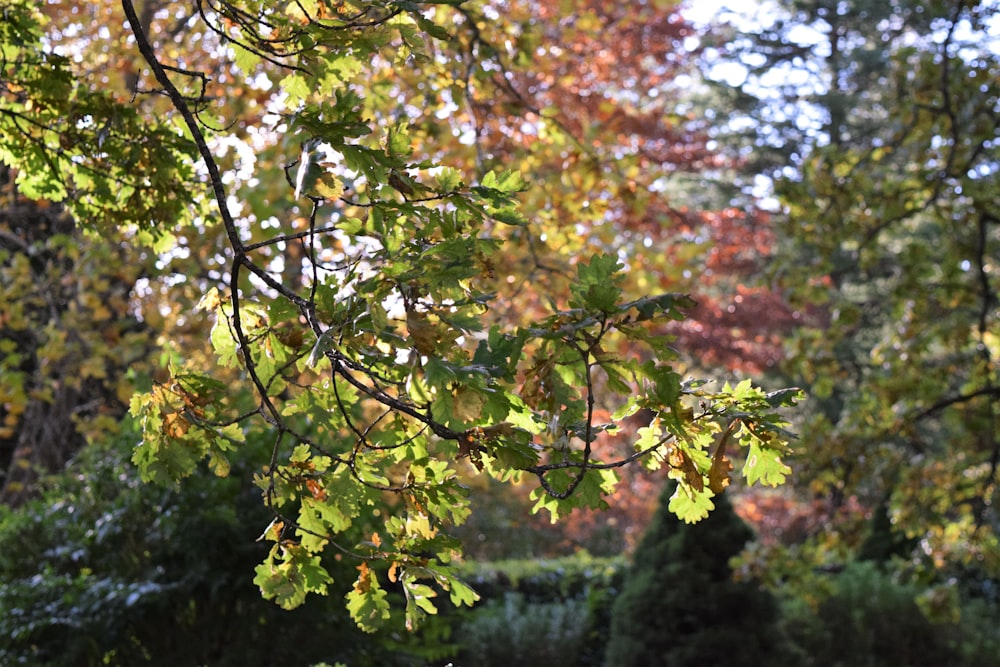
pixel 991 390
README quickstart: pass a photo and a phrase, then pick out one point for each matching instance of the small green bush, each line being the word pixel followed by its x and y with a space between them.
pixel 886 627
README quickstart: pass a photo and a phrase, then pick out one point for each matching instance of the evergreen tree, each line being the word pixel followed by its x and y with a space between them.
pixel 680 604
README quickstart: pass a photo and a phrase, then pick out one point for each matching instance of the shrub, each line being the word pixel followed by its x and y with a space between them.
pixel 541 604
pixel 885 625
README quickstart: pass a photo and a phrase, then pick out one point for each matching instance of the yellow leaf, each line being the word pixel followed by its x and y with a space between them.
pixel 211 300
pixel 329 186
pixel 467 404
pixel 423 334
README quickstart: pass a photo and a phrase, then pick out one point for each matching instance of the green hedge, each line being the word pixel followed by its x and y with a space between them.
pixel 539 612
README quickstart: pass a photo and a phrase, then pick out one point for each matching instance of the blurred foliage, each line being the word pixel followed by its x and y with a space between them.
pixel 560 610
pixel 534 634
pixel 70 345
pixel 545 580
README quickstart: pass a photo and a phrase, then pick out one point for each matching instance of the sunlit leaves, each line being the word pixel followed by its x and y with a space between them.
pixel 289 573
pixel 112 168
pixel 181 428
pixel 764 465
pixel 245 59
pixel 689 505
pixel 367 602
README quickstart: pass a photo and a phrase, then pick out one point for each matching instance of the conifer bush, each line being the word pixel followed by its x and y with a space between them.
pixel 680 605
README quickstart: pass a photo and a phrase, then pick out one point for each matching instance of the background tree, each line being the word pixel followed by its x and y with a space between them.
pixel 61 373
pixel 881 151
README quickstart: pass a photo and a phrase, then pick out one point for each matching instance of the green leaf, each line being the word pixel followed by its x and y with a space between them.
pixel 508 216
pixel 431 28
pixel 245 59
pixel 275 585
pixel 224 340
pixel 289 573
pixel 461 593
pixel 666 383
pixel 398 141
pixel 318 521
pixel 418 601
pixel 599 270
pixel 367 602
pixel 515 452
pixel 297 88
pixel 448 179
pixel 764 465
pixel 784 397
pixel 595 487
pixel 689 505
pixel 597 284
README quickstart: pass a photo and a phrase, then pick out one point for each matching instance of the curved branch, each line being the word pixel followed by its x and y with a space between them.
pixel 180 104
pixel 954 400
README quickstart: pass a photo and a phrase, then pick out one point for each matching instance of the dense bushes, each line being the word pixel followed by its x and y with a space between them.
pixel 553 612
pixel 880 617
pixel 534 634
pixel 105 570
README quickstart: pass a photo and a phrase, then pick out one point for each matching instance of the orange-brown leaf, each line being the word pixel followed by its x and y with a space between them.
pixel 423 334
pixel 718 475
